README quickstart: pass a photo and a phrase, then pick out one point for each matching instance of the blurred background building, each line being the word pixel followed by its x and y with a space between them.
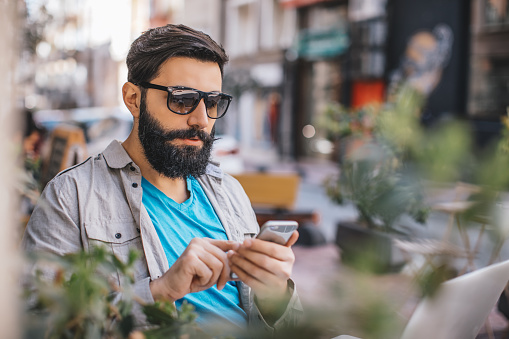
pixel 289 58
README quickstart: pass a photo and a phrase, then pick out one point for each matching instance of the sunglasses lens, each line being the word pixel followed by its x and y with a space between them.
pixel 183 101
pixel 217 104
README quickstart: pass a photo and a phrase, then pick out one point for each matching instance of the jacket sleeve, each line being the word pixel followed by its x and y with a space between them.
pixel 291 317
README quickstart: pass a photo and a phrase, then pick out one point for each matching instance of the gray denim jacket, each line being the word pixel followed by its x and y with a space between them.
pixel 99 202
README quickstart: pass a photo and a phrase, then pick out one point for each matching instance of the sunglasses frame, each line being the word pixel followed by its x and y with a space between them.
pixel 202 95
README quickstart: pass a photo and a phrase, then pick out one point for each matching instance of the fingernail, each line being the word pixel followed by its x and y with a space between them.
pixel 248 242
pixel 230 253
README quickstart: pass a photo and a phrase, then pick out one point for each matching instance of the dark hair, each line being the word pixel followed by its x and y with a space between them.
pixel 155 46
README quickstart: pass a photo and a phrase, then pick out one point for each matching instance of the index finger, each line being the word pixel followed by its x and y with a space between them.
pixel 224 245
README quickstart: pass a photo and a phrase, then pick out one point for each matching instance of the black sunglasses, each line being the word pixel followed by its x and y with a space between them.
pixel 183 100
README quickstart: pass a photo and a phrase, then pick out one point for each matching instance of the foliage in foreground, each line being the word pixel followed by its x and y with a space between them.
pixel 77 296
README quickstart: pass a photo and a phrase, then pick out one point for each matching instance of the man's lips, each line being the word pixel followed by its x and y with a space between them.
pixel 190 141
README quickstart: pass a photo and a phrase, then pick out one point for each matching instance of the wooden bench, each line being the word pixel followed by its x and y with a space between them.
pixel 273 197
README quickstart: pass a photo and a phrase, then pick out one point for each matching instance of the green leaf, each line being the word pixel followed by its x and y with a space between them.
pixel 157 315
pixel 126 325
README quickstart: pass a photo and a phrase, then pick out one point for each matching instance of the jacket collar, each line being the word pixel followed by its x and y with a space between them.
pixel 214 170
pixel 117 157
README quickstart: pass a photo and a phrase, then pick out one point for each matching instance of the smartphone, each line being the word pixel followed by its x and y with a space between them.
pixel 278 231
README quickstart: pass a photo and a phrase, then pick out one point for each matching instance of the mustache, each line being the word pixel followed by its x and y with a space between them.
pixel 185 134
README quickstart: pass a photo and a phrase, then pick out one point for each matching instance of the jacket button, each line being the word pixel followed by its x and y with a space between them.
pixel 118 235
pixel 135 185
pixel 138 230
pixel 132 168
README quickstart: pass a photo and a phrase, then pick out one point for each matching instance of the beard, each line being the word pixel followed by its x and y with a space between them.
pixel 173 161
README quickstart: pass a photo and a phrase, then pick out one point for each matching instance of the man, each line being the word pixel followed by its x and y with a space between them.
pixel 158 193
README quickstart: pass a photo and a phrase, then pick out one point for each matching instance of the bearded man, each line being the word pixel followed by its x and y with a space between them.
pixel 158 193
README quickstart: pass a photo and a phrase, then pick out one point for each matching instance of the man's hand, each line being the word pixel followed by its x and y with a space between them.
pixel 203 264
pixel 265 267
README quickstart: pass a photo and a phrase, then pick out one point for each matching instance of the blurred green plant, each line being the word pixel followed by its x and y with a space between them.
pixel 386 176
pixel 357 305
pixel 75 296
pixel 340 122
pixel 171 323
pixel 429 281
pixel 371 179
pixel 489 204
pixel 373 173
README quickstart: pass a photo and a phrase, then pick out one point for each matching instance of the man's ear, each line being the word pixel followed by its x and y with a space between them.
pixel 132 98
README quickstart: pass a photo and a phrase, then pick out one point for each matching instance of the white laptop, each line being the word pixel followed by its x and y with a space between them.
pixel 460 306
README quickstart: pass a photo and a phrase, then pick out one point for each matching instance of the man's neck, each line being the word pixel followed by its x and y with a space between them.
pixel 175 189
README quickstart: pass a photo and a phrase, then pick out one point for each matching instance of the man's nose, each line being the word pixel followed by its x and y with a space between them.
pixel 198 118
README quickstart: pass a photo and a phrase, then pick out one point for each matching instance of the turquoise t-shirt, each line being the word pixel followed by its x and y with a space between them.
pixel 176 225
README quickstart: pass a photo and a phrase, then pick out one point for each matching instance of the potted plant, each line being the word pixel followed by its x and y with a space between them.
pixel 371 180
pixel 374 177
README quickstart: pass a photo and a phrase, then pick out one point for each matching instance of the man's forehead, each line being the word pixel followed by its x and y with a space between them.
pixel 188 60
pixel 190 72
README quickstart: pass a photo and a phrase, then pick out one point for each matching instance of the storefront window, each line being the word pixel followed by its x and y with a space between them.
pixel 490 91
pixel 489 64
pixel 496 12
